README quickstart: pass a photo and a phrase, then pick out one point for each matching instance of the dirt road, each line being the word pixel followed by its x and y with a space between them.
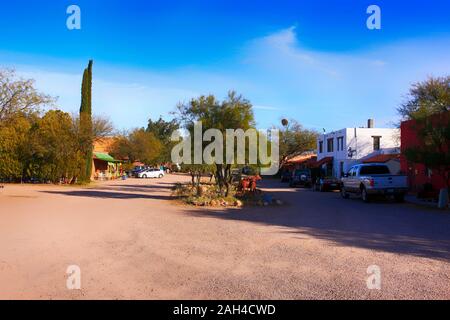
pixel 132 242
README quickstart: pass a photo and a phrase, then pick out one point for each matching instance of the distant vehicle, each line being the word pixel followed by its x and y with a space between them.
pixel 286 176
pixel 327 184
pixel 301 178
pixel 372 179
pixel 151 173
pixel 249 171
pixel 175 167
pixel 136 170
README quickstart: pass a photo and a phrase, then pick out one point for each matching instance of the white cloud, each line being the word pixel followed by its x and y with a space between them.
pixel 275 72
pixel 341 89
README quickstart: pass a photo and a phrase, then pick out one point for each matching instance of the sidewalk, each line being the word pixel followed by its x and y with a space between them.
pixel 410 198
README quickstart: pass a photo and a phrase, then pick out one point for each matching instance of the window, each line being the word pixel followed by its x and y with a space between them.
pixel 377 169
pixel 341 169
pixel 351 172
pixel 340 143
pixel 376 143
pixel 320 146
pixel 330 145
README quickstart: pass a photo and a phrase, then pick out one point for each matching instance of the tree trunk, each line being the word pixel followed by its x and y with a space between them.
pixel 199 189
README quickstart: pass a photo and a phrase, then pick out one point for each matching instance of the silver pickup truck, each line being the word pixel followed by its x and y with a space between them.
pixel 373 179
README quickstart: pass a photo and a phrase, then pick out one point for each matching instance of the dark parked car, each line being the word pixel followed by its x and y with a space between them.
pixel 301 178
pixel 327 184
pixel 136 170
pixel 286 176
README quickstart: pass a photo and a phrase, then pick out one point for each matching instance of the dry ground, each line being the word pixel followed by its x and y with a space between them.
pixel 132 241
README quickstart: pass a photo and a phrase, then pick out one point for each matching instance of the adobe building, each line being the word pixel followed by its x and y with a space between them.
pixel 104 166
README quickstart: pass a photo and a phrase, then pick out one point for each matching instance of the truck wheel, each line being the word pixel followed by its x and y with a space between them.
pixel 365 197
pixel 144 176
pixel 344 193
pixel 399 197
pixel 160 176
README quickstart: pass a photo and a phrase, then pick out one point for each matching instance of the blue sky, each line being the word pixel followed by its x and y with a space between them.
pixel 314 61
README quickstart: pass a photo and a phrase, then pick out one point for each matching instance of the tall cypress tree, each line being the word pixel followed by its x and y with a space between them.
pixel 86 123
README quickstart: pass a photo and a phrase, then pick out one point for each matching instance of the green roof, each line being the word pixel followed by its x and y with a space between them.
pixel 104 157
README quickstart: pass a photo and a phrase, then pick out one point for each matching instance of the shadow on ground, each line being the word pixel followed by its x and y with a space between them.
pixel 109 195
pixel 381 226
pixel 136 188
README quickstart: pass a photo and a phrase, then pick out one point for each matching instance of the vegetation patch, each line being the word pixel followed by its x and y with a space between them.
pixel 208 195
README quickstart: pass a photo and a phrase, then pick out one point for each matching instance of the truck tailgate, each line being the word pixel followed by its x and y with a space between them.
pixel 389 181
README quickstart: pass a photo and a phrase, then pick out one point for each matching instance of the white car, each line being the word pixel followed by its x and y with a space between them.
pixel 151 173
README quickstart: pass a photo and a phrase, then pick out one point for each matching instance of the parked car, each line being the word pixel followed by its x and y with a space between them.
pixel 372 179
pixel 301 177
pixel 327 184
pixel 136 170
pixel 151 173
pixel 286 176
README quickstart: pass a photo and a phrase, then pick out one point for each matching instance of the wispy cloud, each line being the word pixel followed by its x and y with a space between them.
pixel 276 72
pixel 268 108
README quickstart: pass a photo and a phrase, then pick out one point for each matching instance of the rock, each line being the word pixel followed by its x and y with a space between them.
pixel 238 203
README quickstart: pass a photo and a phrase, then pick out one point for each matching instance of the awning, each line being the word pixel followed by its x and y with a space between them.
pixel 104 157
pixel 382 158
pixel 323 161
pixel 301 159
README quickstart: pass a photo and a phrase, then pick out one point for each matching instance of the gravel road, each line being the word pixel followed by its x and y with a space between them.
pixel 131 241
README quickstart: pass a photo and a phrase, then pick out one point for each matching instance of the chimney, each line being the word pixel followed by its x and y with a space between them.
pixel 370 123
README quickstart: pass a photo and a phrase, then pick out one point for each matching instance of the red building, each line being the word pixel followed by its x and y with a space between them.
pixel 422 180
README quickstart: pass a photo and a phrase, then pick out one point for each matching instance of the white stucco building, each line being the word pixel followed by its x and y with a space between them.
pixel 337 151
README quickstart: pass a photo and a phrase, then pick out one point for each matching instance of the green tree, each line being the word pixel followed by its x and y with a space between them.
pixel 426 98
pixel 428 104
pixel 235 112
pixel 53 153
pixel 163 130
pixel 86 128
pixel 14 141
pixel 294 140
pixel 138 145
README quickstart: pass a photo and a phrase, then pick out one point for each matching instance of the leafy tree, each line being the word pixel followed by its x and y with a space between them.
pixel 121 148
pixel 138 145
pixel 14 141
pixel 19 97
pixel 294 140
pixel 433 133
pixel 235 112
pixel 426 98
pixel 428 104
pixel 163 130
pixel 53 152
pixel 86 128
